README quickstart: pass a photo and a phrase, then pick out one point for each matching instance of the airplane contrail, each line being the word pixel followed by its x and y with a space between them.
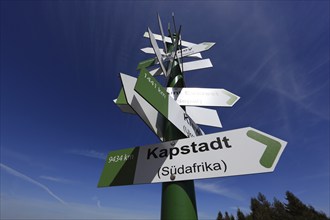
pixel 29 179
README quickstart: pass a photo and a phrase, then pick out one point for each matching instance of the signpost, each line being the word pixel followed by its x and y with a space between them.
pixel 186 153
pixel 229 153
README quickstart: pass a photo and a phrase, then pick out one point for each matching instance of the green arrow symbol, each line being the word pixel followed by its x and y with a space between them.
pixel 272 148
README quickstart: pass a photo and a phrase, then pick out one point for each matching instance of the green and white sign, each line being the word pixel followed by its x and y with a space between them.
pixel 130 101
pixel 235 152
pixel 203 96
pixel 153 92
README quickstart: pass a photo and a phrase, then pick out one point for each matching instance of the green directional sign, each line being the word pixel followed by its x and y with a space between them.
pixel 152 91
pixel 229 153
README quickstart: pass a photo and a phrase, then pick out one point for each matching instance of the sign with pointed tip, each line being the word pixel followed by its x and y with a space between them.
pixel 162 32
pixel 203 96
pixel 186 66
pixel 168 40
pixel 173 53
pixel 156 50
pixel 195 49
pixel 229 153
pixel 150 50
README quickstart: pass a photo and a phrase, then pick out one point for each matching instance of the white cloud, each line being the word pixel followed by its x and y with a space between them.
pixel 90 153
pixel 29 179
pixel 217 189
pixel 55 179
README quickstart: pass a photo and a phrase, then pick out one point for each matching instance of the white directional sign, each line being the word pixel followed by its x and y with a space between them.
pixel 195 49
pixel 203 96
pixel 150 50
pixel 229 153
pixel 187 66
pixel 169 40
pixel 156 50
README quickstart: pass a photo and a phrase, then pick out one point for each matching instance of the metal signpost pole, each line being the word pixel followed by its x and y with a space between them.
pixel 178 198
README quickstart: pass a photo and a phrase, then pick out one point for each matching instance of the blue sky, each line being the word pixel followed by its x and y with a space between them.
pixel 60 65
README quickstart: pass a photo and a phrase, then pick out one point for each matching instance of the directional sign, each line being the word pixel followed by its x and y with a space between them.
pixel 156 50
pixel 235 152
pixel 150 50
pixel 168 39
pixel 148 114
pixel 203 97
pixel 187 66
pixel 150 89
pixel 200 115
pixel 195 49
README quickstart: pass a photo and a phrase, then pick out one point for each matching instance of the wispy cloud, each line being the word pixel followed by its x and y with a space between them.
pixel 29 179
pixel 56 179
pixel 216 188
pixel 31 208
pixel 98 202
pixel 90 153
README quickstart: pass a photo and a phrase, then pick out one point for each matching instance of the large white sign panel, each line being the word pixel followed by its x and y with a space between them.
pixel 203 96
pixel 235 152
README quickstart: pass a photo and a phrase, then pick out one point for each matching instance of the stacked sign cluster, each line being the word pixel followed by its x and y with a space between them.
pixel 234 152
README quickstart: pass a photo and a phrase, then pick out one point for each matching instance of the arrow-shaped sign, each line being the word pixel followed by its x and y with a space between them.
pixel 150 50
pixel 168 39
pixel 156 50
pixel 201 116
pixel 235 152
pixel 187 66
pixel 195 49
pixel 203 96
